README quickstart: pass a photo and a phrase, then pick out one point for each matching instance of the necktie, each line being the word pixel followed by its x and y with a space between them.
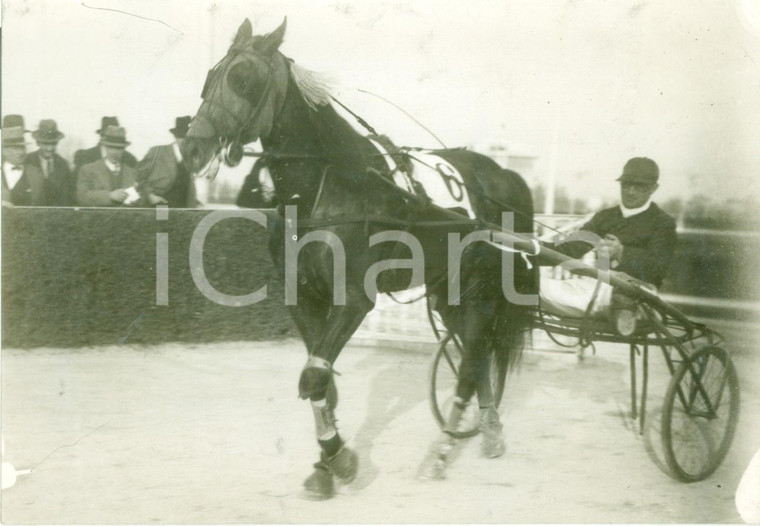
pixel 116 178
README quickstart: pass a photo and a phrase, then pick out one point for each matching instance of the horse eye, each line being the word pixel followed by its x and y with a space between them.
pixel 244 83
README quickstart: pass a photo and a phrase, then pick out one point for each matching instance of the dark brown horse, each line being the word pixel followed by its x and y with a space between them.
pixel 339 187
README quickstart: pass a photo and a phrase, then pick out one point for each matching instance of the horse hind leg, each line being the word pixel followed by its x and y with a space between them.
pixel 474 376
pixel 506 346
pixel 492 443
pixel 472 328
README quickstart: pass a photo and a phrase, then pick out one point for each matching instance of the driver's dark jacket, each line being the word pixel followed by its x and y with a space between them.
pixel 648 239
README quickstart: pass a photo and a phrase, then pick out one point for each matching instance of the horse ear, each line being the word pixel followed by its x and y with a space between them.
pixel 243 33
pixel 272 41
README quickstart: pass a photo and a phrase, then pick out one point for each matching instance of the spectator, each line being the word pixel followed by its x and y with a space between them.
pixel 258 188
pixel 48 173
pixel 15 189
pixel 108 181
pixel 163 177
pixel 638 236
pixel 82 157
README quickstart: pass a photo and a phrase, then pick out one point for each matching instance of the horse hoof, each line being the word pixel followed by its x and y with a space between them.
pixel 344 464
pixel 319 485
pixel 432 469
pixel 493 444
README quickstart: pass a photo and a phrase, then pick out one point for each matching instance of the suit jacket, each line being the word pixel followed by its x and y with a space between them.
pixel 157 174
pixel 57 189
pixel 90 155
pixel 648 239
pixel 94 183
pixel 36 189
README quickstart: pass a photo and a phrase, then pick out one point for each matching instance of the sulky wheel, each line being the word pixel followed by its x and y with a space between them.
pixel 444 373
pixel 700 414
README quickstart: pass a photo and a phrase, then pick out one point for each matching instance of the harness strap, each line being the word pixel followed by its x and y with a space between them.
pixel 361 121
pixel 319 190
pixel 524 254
pixel 317 362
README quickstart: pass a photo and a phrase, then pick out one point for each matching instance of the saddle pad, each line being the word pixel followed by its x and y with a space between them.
pixel 442 182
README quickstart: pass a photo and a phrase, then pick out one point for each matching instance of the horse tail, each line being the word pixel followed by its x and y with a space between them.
pixel 514 322
pixel 512 327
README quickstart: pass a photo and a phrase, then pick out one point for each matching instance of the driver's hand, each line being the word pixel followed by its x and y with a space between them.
pixel 118 195
pixel 614 247
pixel 157 200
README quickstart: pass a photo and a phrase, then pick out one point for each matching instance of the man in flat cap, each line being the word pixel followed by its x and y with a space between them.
pixel 16 190
pixel 162 177
pixel 108 181
pixel 639 238
pixel 90 155
pixel 48 174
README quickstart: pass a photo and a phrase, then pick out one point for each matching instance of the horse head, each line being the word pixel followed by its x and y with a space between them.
pixel 242 96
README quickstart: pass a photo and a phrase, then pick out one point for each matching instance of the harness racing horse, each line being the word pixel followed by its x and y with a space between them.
pixel 336 187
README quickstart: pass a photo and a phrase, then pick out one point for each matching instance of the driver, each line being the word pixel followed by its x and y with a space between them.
pixel 640 239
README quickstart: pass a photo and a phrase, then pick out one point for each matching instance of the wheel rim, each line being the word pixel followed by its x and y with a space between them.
pixel 700 414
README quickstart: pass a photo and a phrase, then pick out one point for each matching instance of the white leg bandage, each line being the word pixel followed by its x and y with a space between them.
pixel 324 417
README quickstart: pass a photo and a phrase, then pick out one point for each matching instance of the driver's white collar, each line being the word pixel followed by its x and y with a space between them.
pixel 629 212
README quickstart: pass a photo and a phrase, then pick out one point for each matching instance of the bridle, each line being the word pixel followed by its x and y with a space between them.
pixel 231 147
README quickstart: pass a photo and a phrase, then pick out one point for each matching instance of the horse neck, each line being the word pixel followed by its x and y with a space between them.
pixel 307 143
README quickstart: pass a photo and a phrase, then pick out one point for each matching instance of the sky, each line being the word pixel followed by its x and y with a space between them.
pixel 581 85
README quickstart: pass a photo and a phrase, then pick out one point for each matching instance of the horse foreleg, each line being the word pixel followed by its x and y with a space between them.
pixel 310 316
pixel 316 378
pixel 343 463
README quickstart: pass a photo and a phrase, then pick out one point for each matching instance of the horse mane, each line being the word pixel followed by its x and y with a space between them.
pixel 314 87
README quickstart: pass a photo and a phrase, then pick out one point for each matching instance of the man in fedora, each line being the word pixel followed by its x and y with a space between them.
pixel 90 155
pixel 108 181
pixel 15 189
pixel 48 174
pixel 640 240
pixel 162 176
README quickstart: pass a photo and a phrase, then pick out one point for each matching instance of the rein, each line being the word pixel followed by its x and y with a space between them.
pixel 404 151
pixel 449 180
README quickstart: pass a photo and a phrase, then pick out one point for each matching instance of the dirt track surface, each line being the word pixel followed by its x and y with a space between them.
pixel 216 434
